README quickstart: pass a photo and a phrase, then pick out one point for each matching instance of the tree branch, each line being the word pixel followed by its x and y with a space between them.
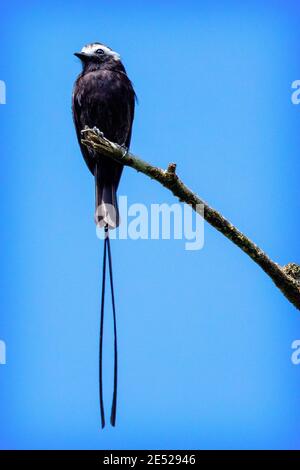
pixel 286 278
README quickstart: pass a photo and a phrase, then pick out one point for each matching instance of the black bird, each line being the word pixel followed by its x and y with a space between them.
pixel 104 98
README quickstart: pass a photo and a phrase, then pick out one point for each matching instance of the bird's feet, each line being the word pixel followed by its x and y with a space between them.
pixel 95 139
pixel 124 149
pixel 94 130
pixel 98 132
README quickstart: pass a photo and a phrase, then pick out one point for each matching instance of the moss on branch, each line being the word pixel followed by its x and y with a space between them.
pixel 286 278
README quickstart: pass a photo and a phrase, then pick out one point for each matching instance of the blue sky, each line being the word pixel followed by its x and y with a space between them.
pixel 204 337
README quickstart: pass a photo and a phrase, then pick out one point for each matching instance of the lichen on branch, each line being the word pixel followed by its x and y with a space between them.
pixel 286 278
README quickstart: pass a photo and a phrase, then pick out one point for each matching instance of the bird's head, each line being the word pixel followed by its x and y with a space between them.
pixel 97 54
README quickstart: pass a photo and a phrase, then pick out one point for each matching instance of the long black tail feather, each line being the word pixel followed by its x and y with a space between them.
pixel 114 400
pixel 101 336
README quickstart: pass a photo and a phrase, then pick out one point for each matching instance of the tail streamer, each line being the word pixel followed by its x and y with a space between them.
pixel 114 401
pixel 107 250
pixel 101 334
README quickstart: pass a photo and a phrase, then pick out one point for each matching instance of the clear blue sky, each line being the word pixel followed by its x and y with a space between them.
pixel 204 337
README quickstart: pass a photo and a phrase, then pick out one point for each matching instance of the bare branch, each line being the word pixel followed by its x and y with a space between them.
pixel 286 278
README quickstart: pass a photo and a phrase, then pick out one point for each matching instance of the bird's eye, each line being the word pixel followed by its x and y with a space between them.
pixel 100 51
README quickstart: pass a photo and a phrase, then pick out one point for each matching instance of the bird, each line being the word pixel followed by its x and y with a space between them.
pixel 104 99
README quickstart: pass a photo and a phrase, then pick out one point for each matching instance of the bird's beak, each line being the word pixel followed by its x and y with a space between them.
pixel 81 55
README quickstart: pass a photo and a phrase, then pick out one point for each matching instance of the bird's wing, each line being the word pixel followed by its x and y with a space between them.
pixel 78 117
pixel 104 99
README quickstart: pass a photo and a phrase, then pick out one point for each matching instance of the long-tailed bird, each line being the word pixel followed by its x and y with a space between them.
pixel 104 98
